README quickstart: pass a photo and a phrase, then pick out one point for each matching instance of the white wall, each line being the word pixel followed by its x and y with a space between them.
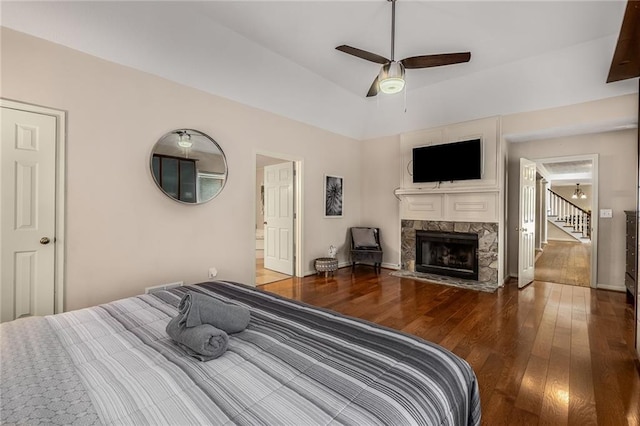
pixel 123 234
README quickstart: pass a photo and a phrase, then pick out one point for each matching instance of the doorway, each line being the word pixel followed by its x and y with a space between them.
pixel 32 210
pixel 278 217
pixel 566 240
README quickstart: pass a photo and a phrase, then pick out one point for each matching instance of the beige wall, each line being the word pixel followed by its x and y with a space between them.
pixel 617 158
pixel 556 234
pixel 123 234
pixel 566 191
pixel 381 175
pixel 382 172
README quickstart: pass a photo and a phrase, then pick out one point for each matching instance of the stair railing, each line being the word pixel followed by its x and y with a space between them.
pixel 568 213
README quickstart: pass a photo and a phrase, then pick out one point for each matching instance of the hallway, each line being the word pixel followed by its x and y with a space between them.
pixel 565 262
pixel 265 276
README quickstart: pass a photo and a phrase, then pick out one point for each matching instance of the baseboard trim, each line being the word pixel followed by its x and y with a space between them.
pixel 622 289
pixel 393 266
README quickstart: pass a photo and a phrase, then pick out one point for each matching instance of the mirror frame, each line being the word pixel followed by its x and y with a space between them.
pixel 191 132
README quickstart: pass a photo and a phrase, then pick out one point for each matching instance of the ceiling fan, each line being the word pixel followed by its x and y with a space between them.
pixel 391 76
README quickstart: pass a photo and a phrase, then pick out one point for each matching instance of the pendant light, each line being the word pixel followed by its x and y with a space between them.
pixel 578 193
pixel 184 140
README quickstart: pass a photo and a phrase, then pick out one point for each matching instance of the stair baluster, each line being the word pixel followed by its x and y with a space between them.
pixel 569 214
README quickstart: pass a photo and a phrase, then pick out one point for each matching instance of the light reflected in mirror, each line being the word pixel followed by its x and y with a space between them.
pixel 188 166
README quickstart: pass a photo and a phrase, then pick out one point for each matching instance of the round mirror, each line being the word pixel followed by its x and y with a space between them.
pixel 188 166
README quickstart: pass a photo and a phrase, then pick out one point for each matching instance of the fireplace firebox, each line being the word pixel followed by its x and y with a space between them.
pixel 454 254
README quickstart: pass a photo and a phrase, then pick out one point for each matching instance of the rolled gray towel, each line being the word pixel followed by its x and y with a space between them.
pixel 196 308
pixel 204 342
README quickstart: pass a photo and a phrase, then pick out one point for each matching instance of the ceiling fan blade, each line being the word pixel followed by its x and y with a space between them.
pixel 428 61
pixel 373 90
pixel 363 54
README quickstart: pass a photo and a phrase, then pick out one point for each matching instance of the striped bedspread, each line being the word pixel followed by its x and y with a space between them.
pixel 294 365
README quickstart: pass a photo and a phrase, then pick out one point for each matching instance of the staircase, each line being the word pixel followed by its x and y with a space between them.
pixel 573 220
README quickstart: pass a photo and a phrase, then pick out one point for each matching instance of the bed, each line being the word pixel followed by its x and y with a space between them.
pixel 294 364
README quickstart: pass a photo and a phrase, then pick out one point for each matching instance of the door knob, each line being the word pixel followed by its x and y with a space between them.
pixel 45 240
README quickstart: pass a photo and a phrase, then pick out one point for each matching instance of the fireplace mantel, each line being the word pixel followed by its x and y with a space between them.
pixel 478 205
pixel 401 192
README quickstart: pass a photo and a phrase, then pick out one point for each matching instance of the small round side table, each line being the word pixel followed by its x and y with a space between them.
pixel 326 265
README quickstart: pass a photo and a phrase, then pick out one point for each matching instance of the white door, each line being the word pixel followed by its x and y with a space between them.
pixel 278 218
pixel 27 213
pixel 526 222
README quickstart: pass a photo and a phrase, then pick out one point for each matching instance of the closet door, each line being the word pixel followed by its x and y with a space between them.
pixel 176 176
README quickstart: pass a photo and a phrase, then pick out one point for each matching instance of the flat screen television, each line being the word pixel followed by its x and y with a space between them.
pixel 448 162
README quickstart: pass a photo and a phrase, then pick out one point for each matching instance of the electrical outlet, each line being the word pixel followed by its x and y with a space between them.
pixel 213 272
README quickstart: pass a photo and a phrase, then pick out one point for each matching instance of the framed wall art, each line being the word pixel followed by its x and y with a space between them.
pixel 333 196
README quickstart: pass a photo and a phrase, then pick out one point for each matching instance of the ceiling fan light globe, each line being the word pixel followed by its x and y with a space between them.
pixel 184 140
pixel 391 78
pixel 391 85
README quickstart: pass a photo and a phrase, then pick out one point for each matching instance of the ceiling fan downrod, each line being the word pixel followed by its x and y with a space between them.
pixel 393 28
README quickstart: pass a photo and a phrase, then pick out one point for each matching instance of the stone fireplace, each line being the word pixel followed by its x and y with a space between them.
pixel 454 254
pixel 468 243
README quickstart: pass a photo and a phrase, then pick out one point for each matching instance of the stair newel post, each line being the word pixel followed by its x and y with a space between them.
pixel 585 229
pixel 586 225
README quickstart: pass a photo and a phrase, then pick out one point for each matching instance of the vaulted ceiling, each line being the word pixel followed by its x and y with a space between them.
pixel 280 55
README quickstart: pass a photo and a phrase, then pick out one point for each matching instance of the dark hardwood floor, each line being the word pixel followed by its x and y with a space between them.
pixel 548 354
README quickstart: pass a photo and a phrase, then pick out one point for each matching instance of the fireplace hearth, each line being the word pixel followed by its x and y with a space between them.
pixel 453 254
